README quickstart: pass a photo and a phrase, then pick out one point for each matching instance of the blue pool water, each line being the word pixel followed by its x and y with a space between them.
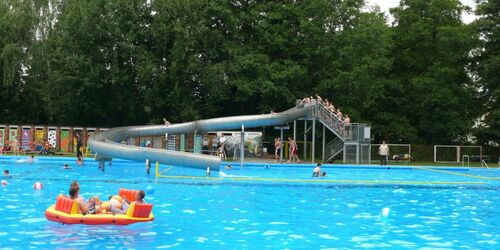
pixel 281 207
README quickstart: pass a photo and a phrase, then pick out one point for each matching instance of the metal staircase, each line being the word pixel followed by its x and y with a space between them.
pixel 332 122
pixel 333 149
pixel 336 126
pixel 351 142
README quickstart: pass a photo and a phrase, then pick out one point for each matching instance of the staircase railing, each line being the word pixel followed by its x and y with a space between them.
pixel 483 163
pixel 333 148
pixel 330 120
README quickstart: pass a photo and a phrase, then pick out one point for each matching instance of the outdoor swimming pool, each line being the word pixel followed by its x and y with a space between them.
pixel 280 207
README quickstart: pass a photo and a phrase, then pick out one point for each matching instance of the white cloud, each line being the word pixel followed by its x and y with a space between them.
pixel 385 5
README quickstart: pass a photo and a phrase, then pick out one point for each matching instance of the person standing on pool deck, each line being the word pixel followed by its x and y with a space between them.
pixel 78 144
pixel 293 150
pixel 277 145
pixel 383 152
pixel 221 152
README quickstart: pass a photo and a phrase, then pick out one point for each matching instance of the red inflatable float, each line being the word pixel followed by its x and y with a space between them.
pixel 65 211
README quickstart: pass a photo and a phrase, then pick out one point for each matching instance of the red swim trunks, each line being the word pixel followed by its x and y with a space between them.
pixel 294 151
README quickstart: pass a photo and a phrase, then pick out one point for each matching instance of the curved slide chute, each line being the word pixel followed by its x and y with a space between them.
pixel 107 143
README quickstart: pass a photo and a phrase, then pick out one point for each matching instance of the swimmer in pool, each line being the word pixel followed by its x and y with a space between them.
pixel 317 170
pixel 79 161
pixel 31 159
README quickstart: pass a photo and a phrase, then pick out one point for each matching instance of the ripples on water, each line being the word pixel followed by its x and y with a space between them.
pixel 251 215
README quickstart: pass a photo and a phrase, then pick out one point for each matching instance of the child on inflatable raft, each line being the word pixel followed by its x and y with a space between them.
pixel 115 204
pixel 123 209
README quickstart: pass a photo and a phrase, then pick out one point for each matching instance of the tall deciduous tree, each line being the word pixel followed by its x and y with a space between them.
pixel 431 55
pixel 106 63
pixel 97 57
pixel 357 78
pixel 488 68
pixel 17 35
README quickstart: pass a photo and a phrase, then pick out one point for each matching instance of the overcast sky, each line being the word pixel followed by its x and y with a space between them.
pixel 385 5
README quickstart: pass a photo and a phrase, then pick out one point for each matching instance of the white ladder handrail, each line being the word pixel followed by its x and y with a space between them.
pixel 484 162
pixel 463 160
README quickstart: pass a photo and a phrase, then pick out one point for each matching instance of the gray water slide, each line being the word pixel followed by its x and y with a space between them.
pixel 108 143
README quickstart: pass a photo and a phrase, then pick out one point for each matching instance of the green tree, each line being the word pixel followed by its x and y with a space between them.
pixel 17 36
pixel 488 66
pixel 114 63
pixel 431 55
pixel 95 57
pixel 356 76
pixel 181 44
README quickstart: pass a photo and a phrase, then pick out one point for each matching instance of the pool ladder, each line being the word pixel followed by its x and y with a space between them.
pixel 463 160
pixel 484 163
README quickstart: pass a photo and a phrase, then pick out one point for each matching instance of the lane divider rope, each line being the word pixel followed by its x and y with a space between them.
pixel 459 174
pixel 360 182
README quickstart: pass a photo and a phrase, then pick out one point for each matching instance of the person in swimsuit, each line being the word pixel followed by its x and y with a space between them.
pixel 79 144
pixel 317 170
pixel 277 145
pixel 221 152
pixel 118 205
pixel 94 205
pixel 139 197
pixel 167 123
pixel 74 191
pixel 347 124
pixel 293 150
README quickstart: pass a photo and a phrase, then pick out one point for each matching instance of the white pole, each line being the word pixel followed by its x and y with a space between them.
pixel 481 152
pixel 409 152
pixel 313 140
pixel 370 154
pixel 357 153
pixel 282 145
pixel 242 145
pixel 305 140
pixel 323 149
pixel 295 130
pixel 434 153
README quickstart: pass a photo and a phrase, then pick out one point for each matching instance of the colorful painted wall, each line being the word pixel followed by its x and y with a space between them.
pixel 33 137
